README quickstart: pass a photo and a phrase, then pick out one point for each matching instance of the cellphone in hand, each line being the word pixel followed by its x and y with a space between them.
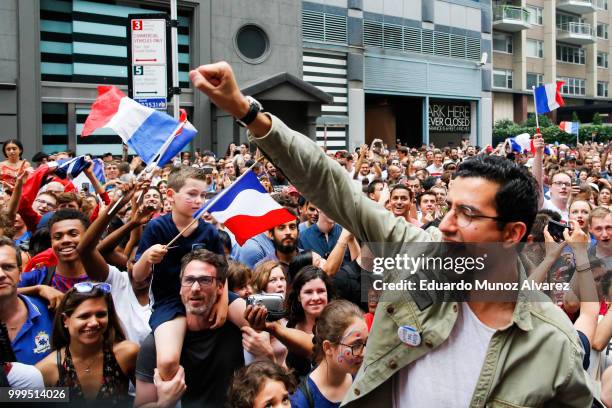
pixel 85 187
pixel 555 229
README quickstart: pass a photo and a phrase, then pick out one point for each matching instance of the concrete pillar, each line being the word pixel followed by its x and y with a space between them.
pixel 550 41
pixel 520 108
pixel 519 60
pixel 426 120
pixel 485 113
pixel 356 106
pixel 591 59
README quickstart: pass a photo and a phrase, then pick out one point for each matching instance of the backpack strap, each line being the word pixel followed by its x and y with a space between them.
pixel 305 388
pixel 49 276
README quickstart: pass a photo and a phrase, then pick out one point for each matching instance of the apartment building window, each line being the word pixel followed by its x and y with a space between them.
pixel 534 80
pixel 536 15
pixel 573 86
pixel 601 4
pixel 502 43
pixel 602 89
pixel 564 19
pixel 602 30
pixel 502 78
pixel 535 48
pixel 602 59
pixel 571 55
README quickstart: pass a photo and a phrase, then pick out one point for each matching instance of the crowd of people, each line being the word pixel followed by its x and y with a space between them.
pixel 94 298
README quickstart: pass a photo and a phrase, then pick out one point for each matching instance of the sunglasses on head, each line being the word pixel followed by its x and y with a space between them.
pixel 87 287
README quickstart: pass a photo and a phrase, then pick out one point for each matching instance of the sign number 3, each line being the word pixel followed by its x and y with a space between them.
pixel 136 24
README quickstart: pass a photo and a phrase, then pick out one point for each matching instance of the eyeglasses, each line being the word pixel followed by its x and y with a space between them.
pixel 86 287
pixel 464 215
pixel 203 281
pixel 562 184
pixel 45 202
pixel 356 349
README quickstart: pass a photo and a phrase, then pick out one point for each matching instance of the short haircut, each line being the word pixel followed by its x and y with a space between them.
pixel 599 212
pixel 68 197
pixel 206 256
pixel 373 184
pixel 400 187
pixel 7 225
pixel 6 241
pixel 178 177
pixel 425 193
pixel 68 214
pixel 238 275
pixel 250 380
pixel 517 196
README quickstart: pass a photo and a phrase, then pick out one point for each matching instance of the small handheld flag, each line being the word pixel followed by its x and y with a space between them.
pixel 548 97
pixel 570 127
pixel 69 169
pixel 246 208
pixel 144 129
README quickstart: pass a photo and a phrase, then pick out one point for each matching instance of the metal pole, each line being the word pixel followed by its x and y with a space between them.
pixel 174 44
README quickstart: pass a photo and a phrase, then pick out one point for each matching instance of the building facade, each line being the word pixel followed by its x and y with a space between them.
pixel 542 41
pixel 343 72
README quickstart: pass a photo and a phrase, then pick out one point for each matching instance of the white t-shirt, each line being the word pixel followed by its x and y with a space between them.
pixel 25 376
pixel 446 376
pixel 435 171
pixel 548 205
pixel 133 316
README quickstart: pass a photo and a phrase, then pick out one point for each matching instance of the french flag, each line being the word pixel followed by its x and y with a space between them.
pixel 548 97
pixel 524 144
pixel 246 208
pixel 144 129
pixel 69 169
pixel 569 127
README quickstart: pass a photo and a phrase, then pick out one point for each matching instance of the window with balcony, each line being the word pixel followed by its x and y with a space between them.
pixel 536 15
pixel 602 31
pixel 573 86
pixel 602 59
pixel 534 80
pixel 502 78
pixel 571 55
pixel 563 20
pixel 535 48
pixel 601 4
pixel 502 43
pixel 602 89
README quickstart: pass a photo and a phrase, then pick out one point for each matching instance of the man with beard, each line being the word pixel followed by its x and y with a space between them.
pixel 285 240
pixel 209 357
pixel 508 353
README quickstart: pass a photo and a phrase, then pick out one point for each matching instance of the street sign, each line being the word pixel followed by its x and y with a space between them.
pixel 149 54
pixel 148 41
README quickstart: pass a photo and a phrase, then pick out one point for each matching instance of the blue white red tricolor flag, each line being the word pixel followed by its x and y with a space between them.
pixel 69 169
pixel 246 209
pixel 548 97
pixel 524 144
pixel 144 129
pixel 569 127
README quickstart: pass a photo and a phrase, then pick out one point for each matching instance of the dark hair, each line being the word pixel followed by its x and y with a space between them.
pixel 606 280
pixel 238 275
pixel 7 225
pixel 401 187
pixel 39 241
pixel 372 185
pixel 517 197
pixel 6 241
pixel 298 262
pixel 425 193
pixel 249 380
pixel 68 214
pixel 429 183
pixel 294 307
pixel 225 239
pixel 71 300
pixel 69 197
pixel 15 142
pixel 336 317
pixel 204 255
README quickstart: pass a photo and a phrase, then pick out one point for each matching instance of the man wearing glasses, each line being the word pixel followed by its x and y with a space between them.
pixel 423 353
pixel 209 357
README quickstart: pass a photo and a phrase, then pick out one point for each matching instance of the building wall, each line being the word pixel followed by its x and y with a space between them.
pixel 503 106
pixel 8 69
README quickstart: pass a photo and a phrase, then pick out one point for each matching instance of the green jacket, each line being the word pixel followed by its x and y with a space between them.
pixel 536 361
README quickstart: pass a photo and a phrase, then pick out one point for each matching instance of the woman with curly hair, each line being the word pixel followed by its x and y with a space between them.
pixel 262 384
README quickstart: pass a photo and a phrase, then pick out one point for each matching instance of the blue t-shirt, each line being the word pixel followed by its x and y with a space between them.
pixel 166 283
pixel 33 342
pixel 299 400
pixel 255 249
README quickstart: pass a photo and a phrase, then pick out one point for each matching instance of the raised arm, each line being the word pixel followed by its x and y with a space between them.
pixel 538 166
pixel 296 155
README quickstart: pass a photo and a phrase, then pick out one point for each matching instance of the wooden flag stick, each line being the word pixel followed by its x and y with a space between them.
pixel 210 203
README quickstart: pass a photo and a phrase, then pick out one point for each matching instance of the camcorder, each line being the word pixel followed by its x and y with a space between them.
pixel 274 303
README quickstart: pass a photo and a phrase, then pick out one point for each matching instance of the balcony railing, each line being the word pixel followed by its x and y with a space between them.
pixel 581 29
pixel 577 6
pixel 515 13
